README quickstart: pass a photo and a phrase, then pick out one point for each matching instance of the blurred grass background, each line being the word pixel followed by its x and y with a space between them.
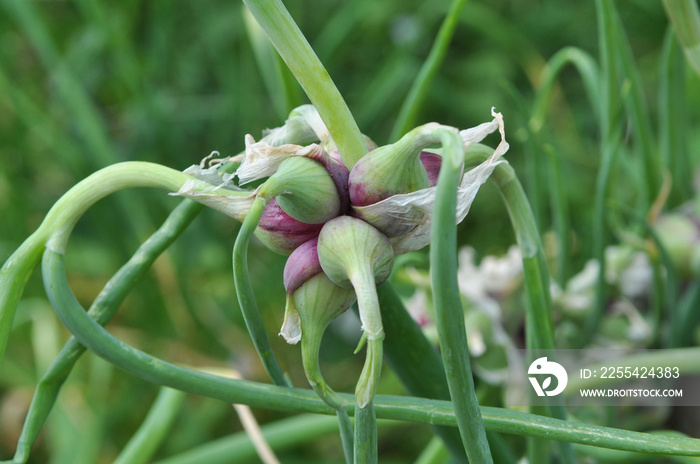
pixel 85 83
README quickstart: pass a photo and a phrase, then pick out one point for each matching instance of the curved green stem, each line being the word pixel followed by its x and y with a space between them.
pixel 587 69
pixel 102 310
pixel 590 75
pixel 291 44
pixel 268 396
pixel 539 328
pixel 409 110
pixel 246 297
pixel 142 446
pixel 447 301
pixel 58 224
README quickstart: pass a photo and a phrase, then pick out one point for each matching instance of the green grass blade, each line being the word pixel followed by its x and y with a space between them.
pixel 267 59
pixel 411 106
pixel 687 316
pixel 638 113
pixel 32 116
pixel 124 55
pixel 685 17
pixel 89 121
pixel 385 89
pixel 672 120
pixel 280 435
pixel 143 445
pixel 336 30
pixel 560 211
pixel 434 453
pixel 610 145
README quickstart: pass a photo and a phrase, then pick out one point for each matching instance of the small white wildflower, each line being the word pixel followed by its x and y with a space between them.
pixel 501 274
pixel 485 284
pixel 417 307
pixel 630 270
pixel 580 290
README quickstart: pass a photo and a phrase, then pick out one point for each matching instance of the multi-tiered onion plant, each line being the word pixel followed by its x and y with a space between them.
pixel 343 210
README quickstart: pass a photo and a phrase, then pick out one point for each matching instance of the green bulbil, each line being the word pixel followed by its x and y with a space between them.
pixel 304 189
pixel 349 247
pixel 387 171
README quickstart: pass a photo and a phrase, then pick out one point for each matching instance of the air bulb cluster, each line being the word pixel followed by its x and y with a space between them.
pixel 340 227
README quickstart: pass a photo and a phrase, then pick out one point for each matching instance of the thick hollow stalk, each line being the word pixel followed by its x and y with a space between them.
pixel 365 417
pixel 446 298
pixel 255 394
pixel 293 47
pixel 365 434
pixel 246 297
